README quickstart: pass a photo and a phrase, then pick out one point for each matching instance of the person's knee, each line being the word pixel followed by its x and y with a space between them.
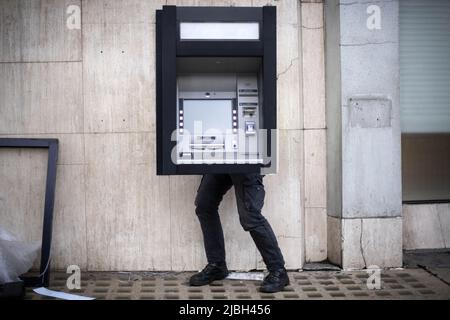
pixel 201 211
pixel 205 206
pixel 252 221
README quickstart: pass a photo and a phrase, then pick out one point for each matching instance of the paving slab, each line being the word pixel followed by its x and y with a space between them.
pixel 395 284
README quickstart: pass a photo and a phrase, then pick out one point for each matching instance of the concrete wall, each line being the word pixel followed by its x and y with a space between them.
pixel 426 226
pixel 334 136
pixel 365 225
pixel 93 88
pixel 314 124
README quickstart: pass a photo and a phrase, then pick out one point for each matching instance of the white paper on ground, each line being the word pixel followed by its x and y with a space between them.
pixel 61 295
pixel 246 276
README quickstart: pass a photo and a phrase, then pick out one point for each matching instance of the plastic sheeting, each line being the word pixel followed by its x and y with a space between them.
pixel 16 257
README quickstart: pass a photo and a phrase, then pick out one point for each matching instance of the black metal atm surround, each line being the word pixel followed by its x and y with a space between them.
pixel 216 90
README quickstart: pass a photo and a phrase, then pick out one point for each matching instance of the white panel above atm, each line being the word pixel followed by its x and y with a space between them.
pixel 219 31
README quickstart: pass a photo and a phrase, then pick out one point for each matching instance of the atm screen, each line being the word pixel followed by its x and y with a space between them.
pixel 207 116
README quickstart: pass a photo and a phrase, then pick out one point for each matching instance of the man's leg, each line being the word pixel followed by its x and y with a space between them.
pixel 209 195
pixel 250 195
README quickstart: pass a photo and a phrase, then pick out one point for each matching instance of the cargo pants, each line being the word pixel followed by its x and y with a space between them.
pixel 250 193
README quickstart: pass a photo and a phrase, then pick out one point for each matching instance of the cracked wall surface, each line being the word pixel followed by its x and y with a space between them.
pixel 314 124
pixel 371 241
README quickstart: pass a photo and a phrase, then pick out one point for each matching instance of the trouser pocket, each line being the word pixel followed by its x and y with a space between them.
pixel 254 193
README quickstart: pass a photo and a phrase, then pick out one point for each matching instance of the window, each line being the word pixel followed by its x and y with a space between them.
pixel 425 99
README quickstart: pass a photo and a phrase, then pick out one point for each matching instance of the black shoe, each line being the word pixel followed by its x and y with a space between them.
pixel 210 273
pixel 275 281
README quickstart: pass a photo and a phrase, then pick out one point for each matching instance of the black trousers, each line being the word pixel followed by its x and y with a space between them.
pixel 250 193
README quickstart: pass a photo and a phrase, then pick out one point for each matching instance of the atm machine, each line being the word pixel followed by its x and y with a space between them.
pixel 216 90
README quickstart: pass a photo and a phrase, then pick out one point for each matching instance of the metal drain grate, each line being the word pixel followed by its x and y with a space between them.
pixel 404 284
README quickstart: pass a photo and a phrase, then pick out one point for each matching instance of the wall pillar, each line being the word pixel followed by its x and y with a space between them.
pixel 363 135
pixel 314 129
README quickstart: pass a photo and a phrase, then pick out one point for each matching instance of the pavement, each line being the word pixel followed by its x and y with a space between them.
pixel 426 276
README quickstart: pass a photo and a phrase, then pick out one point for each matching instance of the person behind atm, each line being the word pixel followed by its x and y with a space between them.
pixel 250 193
